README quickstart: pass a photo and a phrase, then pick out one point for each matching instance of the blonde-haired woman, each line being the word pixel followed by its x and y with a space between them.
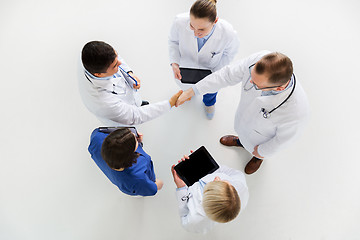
pixel 216 198
pixel 200 40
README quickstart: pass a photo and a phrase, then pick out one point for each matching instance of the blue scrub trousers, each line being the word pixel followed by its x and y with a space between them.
pixel 209 99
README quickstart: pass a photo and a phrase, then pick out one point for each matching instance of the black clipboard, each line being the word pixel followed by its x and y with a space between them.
pixel 192 76
pixel 199 164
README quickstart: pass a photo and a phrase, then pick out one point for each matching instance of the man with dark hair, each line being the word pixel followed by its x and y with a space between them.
pixel 108 88
pixel 122 159
pixel 273 108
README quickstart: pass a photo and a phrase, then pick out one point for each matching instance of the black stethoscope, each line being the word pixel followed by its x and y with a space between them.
pixel 267 114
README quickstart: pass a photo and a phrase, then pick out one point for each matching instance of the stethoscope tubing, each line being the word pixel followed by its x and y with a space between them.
pixel 267 114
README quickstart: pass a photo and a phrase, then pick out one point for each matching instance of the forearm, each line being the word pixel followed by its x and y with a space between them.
pixel 182 195
pixel 214 81
pixel 133 115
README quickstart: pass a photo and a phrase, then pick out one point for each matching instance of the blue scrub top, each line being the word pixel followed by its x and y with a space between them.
pixel 139 179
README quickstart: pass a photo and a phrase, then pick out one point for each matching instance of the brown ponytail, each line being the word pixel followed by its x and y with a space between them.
pixel 204 9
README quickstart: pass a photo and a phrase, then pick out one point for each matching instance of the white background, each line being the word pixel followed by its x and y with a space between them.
pixel 51 189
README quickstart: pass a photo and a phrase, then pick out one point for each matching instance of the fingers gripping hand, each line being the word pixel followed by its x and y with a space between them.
pixel 185 96
pixel 174 98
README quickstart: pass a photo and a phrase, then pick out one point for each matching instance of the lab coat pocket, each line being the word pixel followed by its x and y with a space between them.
pixel 215 54
pixel 264 128
pixel 119 90
pixel 119 87
pixel 215 57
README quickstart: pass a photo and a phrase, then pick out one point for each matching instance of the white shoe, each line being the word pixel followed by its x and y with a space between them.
pixel 209 111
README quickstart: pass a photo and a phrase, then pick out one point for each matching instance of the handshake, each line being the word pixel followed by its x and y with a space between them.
pixel 180 97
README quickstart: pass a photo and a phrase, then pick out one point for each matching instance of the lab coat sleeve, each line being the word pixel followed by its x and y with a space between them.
pixel 229 75
pixel 229 52
pixel 189 219
pixel 127 114
pixel 174 52
pixel 285 134
pixel 180 193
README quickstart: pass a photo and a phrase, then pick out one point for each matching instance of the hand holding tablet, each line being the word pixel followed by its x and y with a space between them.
pixel 192 76
pixel 199 164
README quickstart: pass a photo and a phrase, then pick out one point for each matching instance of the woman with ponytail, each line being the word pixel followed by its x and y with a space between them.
pixel 201 41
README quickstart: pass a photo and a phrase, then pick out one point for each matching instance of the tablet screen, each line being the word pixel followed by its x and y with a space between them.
pixel 189 75
pixel 112 129
pixel 199 164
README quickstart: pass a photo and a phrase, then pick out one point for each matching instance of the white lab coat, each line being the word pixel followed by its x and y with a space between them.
pixel 271 134
pixel 183 47
pixel 123 108
pixel 192 214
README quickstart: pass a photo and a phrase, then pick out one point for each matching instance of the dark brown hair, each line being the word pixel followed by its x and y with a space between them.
pixel 276 66
pixel 97 56
pixel 118 149
pixel 204 9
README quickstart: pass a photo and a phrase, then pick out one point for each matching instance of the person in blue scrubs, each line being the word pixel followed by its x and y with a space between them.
pixel 122 159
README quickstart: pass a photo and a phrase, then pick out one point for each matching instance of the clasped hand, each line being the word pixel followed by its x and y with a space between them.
pixel 185 96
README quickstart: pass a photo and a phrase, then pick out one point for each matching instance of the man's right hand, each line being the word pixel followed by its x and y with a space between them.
pixel 174 98
pixel 176 70
pixel 185 96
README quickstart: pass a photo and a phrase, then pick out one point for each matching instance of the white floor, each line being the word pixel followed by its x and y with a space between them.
pixel 51 189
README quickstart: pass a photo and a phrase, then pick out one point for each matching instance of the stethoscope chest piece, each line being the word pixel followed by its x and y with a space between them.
pixel 265 113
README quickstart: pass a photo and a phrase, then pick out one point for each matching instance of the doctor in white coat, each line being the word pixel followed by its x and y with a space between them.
pixel 273 108
pixel 200 40
pixel 198 203
pixel 109 90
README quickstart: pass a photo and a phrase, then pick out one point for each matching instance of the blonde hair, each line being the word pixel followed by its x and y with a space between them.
pixel 221 201
pixel 204 9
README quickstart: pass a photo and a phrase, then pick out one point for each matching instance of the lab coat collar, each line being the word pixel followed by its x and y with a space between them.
pixel 210 177
pixel 97 78
pixel 272 92
pixel 101 82
pixel 272 101
pixel 215 34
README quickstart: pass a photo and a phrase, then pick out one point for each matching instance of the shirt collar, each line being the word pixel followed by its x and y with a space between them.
pixel 97 78
pixel 273 92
